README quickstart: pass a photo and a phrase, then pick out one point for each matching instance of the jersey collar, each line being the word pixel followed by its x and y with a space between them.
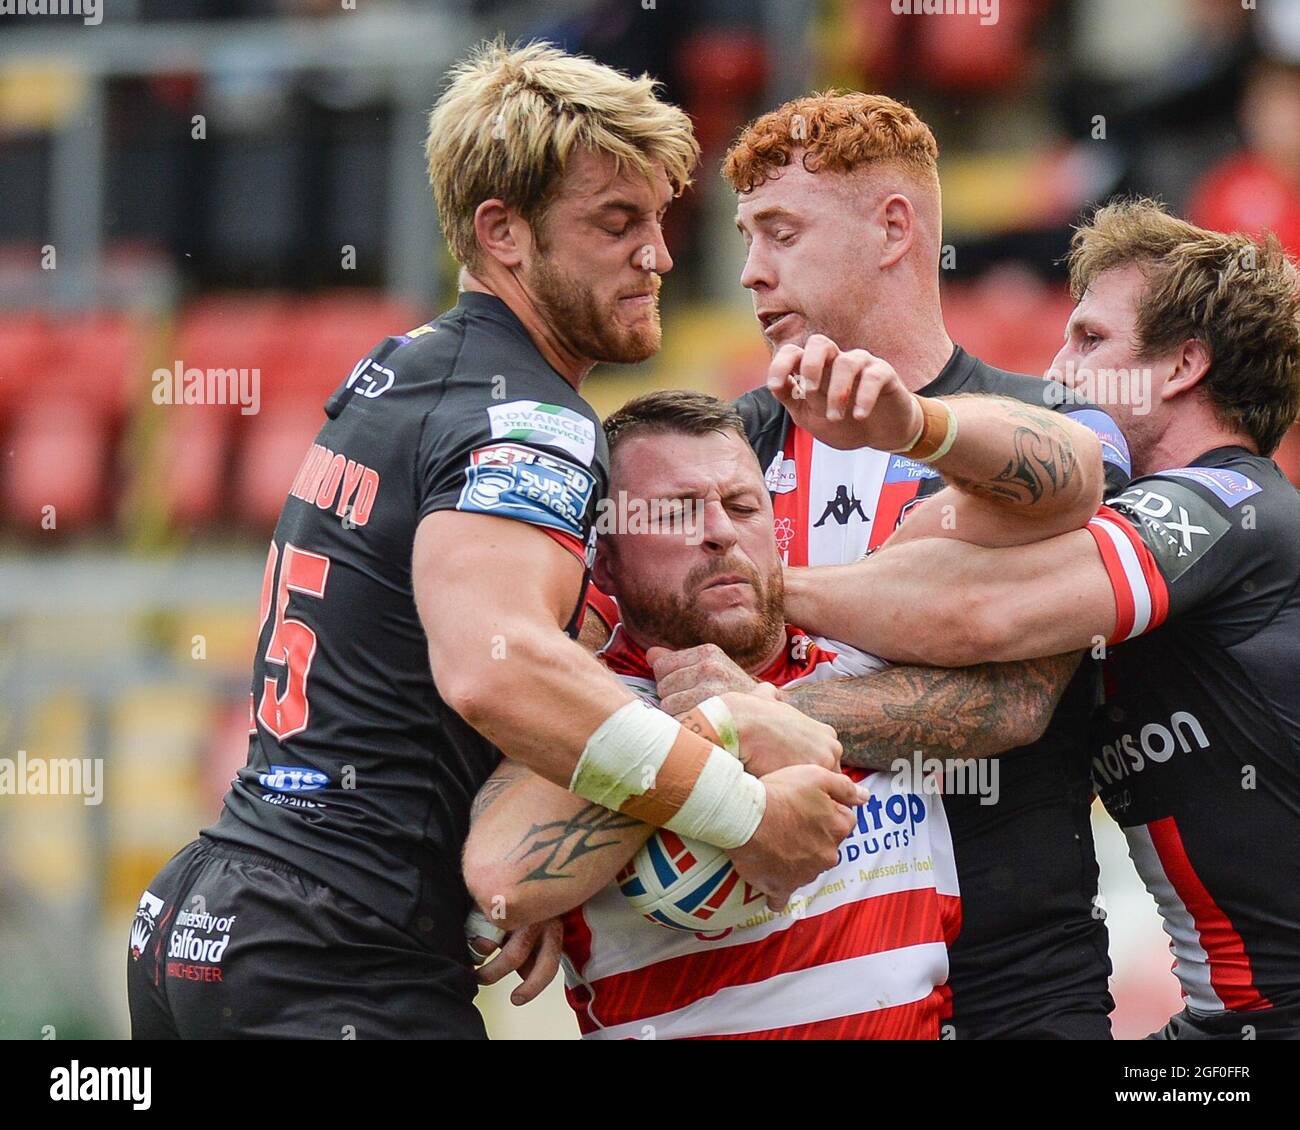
pixel 800 655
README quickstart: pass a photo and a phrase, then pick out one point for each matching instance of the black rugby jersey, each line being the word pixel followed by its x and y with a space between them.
pixel 1032 942
pixel 1197 750
pixel 358 772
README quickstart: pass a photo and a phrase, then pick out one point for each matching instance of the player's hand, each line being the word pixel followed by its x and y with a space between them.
pixel 847 399
pixel 532 950
pixel 774 735
pixel 686 678
pixel 809 811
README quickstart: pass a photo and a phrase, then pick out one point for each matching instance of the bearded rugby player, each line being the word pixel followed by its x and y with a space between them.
pixel 861 952
pixel 1191 576
pixel 421 591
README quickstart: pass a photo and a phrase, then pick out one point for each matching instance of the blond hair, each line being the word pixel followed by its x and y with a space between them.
pixel 1239 296
pixel 511 119
pixel 836 131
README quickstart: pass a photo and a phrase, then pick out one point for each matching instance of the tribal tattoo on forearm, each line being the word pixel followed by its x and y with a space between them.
pixel 1044 463
pixel 550 848
pixel 947 713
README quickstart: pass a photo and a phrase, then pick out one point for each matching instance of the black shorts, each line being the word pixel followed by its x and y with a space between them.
pixel 230 944
pixel 1266 1024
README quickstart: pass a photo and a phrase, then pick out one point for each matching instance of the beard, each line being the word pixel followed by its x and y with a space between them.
pixel 672 620
pixel 593 330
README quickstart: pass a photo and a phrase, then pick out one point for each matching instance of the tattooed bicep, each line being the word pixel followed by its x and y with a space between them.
pixel 505 775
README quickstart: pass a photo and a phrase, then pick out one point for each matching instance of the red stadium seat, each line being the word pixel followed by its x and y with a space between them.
pixel 275 443
pixel 959 52
pixel 220 332
pixel 1008 318
pixel 24 351
pixel 66 385
pixel 57 456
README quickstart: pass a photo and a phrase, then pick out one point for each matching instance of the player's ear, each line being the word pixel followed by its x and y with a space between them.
pixel 1191 364
pixel 601 572
pixel 497 228
pixel 898 219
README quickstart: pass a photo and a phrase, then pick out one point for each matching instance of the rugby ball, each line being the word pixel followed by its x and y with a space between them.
pixel 689 885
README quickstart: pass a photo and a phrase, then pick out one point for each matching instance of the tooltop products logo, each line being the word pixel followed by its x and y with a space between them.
pixel 102 1084
pixel 60 776
pixel 883 825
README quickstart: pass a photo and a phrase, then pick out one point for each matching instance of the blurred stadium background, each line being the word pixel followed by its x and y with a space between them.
pixel 240 183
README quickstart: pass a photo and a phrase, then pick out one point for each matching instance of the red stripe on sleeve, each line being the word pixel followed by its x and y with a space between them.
pixel 1231 976
pixel 1157 589
pixel 1124 605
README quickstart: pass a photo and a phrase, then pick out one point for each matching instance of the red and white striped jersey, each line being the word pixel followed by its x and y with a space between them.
pixel 860 953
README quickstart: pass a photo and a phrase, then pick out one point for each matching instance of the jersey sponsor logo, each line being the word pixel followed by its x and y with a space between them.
pixel 1114 447
pixel 1154 743
pixel 293 779
pixel 841 507
pixel 1176 523
pixel 782 475
pixel 888 825
pixel 531 421
pixel 784 528
pixel 510 481
pixel 144 923
pixel 197 944
pixel 330 479
pixel 370 379
pixel 901 469
pixel 1232 487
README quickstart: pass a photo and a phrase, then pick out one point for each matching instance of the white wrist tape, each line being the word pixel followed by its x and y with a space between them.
pixel 622 760
pixel 723 722
pixel 726 805
pixel 477 925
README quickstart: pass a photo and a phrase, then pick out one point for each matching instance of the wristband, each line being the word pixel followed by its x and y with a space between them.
pixel 936 435
pixel 723 722
pixel 725 807
pixel 939 433
pixel 478 926
pixel 643 763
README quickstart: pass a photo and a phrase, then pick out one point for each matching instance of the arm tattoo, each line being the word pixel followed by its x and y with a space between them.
pixel 507 774
pixel 1044 463
pixel 550 848
pixel 946 713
